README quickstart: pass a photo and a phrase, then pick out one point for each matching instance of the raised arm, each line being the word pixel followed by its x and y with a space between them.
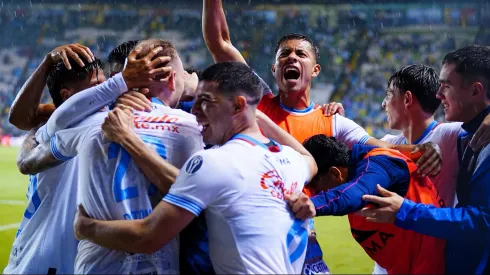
pixel 138 73
pixel 216 33
pixel 26 112
pixel 275 132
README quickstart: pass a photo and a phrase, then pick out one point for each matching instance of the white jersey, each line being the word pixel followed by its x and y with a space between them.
pixel 445 135
pixel 45 238
pixel 348 132
pixel 242 186
pixel 112 187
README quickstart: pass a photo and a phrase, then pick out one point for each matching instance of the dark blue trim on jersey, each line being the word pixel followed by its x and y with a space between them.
pixel 185 203
pixel 55 152
pixel 364 139
pixel 255 142
pixel 186 106
pixel 427 130
pixel 157 101
pixel 312 105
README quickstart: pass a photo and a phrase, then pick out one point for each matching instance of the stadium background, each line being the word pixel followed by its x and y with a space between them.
pixel 361 44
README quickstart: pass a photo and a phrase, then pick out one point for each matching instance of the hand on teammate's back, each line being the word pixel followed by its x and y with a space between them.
pixel 73 51
pixel 388 205
pixel 430 163
pixel 482 136
pixel 333 108
pixel 134 101
pixel 117 124
pixel 79 222
pixel 301 205
pixel 142 72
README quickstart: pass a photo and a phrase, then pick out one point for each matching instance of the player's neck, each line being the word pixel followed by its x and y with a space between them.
pixel 416 127
pixel 246 125
pixel 296 101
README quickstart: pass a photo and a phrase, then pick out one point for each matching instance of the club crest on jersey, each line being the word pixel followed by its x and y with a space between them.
pixel 193 165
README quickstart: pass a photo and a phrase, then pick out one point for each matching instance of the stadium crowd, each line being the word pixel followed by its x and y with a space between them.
pixel 144 165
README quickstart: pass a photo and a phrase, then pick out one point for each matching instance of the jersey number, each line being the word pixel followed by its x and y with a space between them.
pixel 32 196
pixel 122 166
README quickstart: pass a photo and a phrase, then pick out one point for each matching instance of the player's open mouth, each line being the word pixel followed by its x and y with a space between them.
pixel 203 127
pixel 446 106
pixel 291 73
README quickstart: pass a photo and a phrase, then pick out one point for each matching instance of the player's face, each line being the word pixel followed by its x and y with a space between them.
pixel 394 106
pixel 295 66
pixel 334 177
pixel 213 112
pixel 96 78
pixel 455 95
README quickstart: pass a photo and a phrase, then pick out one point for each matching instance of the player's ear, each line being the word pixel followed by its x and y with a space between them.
pixel 65 94
pixel 408 98
pixel 171 81
pixel 478 89
pixel 273 68
pixel 239 105
pixel 335 175
pixel 316 70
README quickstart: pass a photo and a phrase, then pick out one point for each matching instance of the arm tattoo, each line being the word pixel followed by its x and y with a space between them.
pixel 34 157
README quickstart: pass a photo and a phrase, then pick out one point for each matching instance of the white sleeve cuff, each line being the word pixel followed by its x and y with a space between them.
pixel 56 153
pixel 364 139
pixel 185 203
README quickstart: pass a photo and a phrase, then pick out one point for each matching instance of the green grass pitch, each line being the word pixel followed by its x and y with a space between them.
pixel 341 253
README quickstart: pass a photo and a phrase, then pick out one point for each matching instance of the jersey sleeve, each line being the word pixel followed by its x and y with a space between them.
pixel 82 105
pixel 449 133
pixel 391 139
pixel 348 132
pixel 66 143
pixel 203 180
pixel 390 173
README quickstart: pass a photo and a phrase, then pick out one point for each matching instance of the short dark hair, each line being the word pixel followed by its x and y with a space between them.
pixel 191 70
pixel 297 36
pixel 59 77
pixel 327 152
pixel 471 62
pixel 422 81
pixel 121 52
pixel 234 78
pixel 168 49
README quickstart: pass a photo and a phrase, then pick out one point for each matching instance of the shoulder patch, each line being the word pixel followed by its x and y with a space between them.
pixel 193 165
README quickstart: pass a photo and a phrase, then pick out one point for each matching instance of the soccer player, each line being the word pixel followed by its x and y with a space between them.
pixel 241 184
pixel 126 193
pixel 410 104
pixel 48 218
pixel 345 176
pixel 465 95
pixel 295 67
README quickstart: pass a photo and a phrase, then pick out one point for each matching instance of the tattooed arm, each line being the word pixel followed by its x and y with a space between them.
pixel 34 157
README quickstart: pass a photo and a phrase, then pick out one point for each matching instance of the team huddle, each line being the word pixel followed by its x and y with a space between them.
pixel 164 170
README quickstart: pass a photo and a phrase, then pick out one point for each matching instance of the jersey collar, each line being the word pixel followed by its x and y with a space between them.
pixel 427 130
pixel 291 110
pixel 273 146
pixel 157 101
